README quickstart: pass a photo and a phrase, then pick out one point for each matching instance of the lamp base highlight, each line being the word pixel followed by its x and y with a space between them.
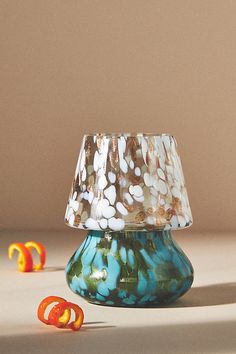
pixel 129 269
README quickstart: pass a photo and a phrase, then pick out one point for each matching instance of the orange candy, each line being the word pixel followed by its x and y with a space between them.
pixel 25 260
pixel 60 313
pixel 41 251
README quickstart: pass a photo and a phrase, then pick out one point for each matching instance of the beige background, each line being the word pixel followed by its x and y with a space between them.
pixel 70 67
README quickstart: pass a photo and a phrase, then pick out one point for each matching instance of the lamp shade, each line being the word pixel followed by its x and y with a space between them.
pixel 128 182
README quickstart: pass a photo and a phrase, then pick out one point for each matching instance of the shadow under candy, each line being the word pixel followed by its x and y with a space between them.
pixel 87 325
pixel 53 269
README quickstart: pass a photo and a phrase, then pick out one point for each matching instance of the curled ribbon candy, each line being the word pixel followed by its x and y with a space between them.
pixel 25 260
pixel 60 313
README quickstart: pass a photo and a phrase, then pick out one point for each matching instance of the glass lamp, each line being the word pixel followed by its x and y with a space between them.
pixel 129 193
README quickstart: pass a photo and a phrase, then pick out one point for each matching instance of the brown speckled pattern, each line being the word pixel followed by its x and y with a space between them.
pixel 128 181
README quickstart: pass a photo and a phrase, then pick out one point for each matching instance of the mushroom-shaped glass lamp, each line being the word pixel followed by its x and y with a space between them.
pixel 129 193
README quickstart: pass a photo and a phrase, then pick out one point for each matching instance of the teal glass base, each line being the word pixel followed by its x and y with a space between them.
pixel 131 269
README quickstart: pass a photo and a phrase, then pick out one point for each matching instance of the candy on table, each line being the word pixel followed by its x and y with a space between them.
pixel 60 313
pixel 25 260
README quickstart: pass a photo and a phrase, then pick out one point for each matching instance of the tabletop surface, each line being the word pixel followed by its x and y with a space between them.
pixel 202 321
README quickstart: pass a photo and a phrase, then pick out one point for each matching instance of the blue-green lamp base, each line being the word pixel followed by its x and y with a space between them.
pixel 130 269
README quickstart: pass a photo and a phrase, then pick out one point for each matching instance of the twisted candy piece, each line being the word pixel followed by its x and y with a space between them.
pixel 25 260
pixel 41 251
pixel 64 318
pixel 60 314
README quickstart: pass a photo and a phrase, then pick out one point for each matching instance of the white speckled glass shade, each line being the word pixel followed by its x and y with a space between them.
pixel 128 182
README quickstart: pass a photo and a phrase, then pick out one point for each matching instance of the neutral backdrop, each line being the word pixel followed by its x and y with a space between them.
pixel 71 67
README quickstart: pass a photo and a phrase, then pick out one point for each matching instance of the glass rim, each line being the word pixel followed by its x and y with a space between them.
pixel 126 134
